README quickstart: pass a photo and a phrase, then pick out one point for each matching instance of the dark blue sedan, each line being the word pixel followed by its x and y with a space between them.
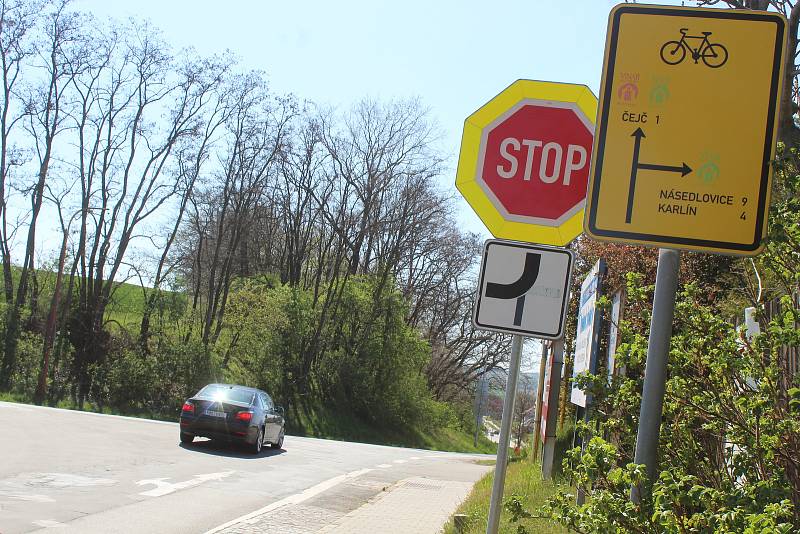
pixel 236 414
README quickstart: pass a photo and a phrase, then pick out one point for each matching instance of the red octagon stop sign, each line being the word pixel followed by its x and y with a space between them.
pixel 536 161
pixel 525 159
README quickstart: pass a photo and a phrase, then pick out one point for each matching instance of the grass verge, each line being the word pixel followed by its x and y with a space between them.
pixel 524 479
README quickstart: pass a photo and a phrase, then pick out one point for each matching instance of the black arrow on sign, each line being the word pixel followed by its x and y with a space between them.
pixel 517 290
pixel 683 169
pixel 638 134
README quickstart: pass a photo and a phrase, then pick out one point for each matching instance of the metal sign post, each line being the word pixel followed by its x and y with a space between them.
pixel 528 195
pixel 549 449
pixel 539 390
pixel 655 376
pixel 523 290
pixel 496 504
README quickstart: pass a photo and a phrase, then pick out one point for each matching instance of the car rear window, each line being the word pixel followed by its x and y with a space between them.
pixel 229 393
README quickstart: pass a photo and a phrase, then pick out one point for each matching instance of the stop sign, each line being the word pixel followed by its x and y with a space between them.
pixel 524 163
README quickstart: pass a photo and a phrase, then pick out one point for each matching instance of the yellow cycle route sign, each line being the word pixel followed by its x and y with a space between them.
pixel 686 128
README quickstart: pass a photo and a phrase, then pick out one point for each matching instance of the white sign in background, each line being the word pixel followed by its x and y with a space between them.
pixel 613 332
pixel 545 303
pixel 587 309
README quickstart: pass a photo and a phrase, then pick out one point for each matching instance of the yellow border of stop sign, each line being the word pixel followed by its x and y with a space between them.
pixel 582 100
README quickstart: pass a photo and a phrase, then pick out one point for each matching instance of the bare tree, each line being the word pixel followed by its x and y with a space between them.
pixel 302 169
pixel 44 118
pixel 378 147
pixel 192 155
pixel 137 106
pixel 523 408
pixel 227 207
pixel 439 281
pixel 17 19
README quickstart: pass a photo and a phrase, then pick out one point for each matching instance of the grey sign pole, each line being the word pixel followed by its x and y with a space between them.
pixel 549 448
pixel 481 394
pixel 496 505
pixel 655 376
pixel 537 422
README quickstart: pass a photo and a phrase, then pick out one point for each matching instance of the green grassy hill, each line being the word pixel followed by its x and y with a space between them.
pixel 125 307
pixel 322 422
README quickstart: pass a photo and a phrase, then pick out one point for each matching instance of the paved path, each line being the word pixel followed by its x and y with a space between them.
pixel 368 503
pixel 416 505
pixel 65 472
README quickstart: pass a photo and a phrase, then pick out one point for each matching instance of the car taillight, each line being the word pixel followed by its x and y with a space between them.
pixel 244 416
pixel 188 407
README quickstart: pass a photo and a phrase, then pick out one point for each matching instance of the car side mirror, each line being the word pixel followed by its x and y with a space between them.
pixel 280 411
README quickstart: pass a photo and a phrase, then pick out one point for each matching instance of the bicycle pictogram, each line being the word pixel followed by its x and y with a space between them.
pixel 714 55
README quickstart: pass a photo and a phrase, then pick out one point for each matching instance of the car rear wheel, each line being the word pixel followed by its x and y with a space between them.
pixel 278 445
pixel 255 448
pixel 186 438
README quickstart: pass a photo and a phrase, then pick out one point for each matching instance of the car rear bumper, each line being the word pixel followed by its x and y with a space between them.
pixel 219 431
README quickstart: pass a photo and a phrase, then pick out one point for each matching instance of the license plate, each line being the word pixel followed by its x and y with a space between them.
pixel 212 413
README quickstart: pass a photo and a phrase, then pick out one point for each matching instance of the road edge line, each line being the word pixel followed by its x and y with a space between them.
pixel 85 412
pixel 297 498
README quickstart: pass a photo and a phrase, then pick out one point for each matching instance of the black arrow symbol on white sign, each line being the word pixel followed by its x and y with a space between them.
pixel 517 290
pixel 684 169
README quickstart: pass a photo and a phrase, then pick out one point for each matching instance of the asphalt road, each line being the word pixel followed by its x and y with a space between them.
pixel 79 472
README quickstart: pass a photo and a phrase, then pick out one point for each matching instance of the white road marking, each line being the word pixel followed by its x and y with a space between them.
pixel 28 497
pixel 297 498
pixel 165 488
pixel 399 461
pixel 415 458
pixel 48 523
pixel 384 466
pixel 67 480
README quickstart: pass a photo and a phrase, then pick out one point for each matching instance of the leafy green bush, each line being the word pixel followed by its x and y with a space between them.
pixel 729 448
pixel 25 376
pixel 158 383
pixel 376 361
pixel 257 317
